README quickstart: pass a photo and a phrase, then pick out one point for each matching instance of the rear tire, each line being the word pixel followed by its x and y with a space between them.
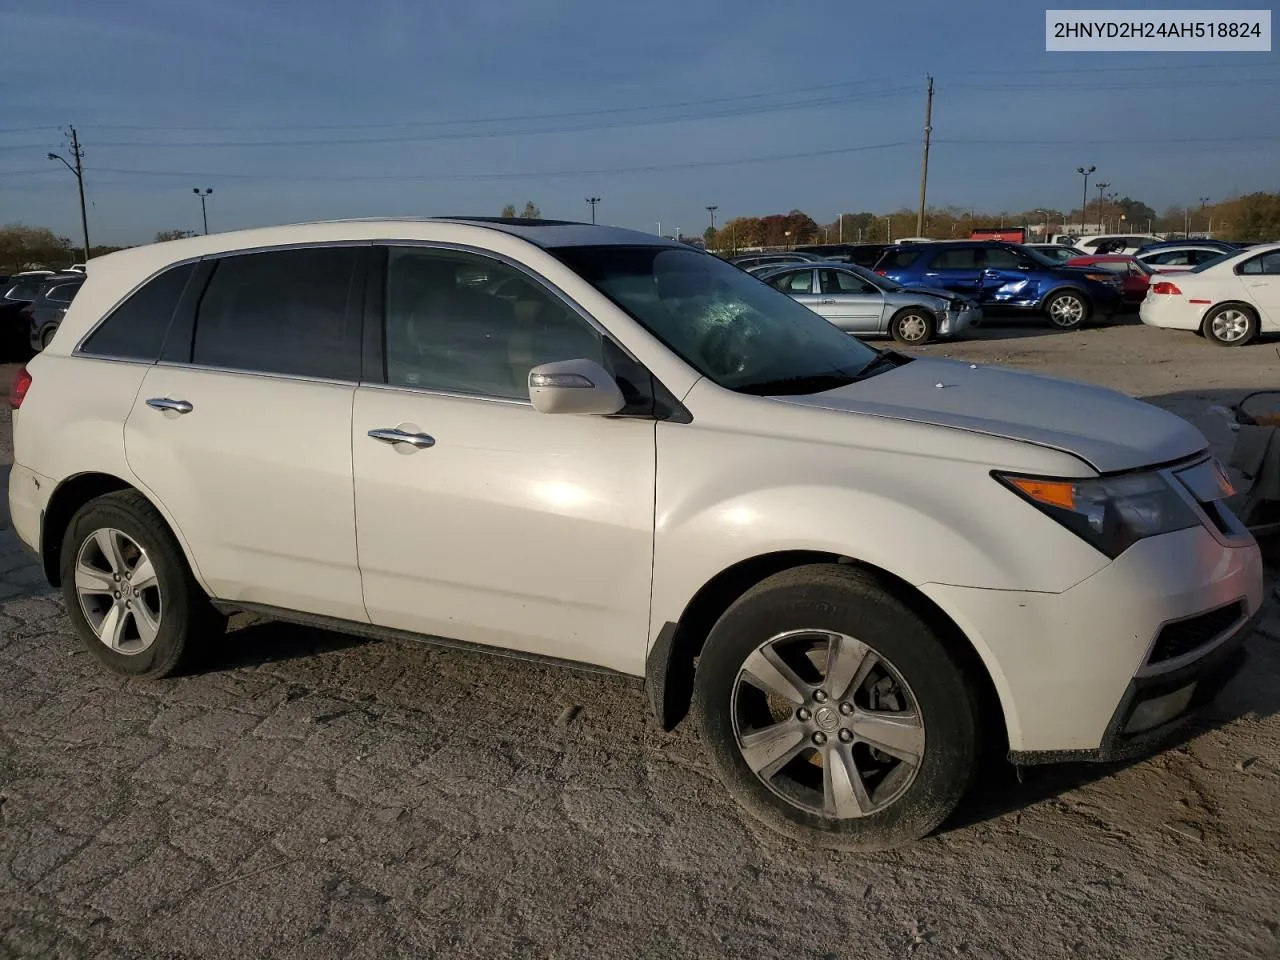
pixel 46 337
pixel 834 626
pixel 129 592
pixel 1230 325
pixel 1068 310
pixel 913 326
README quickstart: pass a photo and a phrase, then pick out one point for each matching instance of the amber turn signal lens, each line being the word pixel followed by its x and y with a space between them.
pixel 1052 493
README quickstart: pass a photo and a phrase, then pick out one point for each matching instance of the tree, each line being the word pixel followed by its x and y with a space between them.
pixel 531 212
pixel 165 235
pixel 23 247
pixel 709 238
pixel 509 211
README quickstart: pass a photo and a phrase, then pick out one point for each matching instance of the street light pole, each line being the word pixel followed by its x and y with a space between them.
pixel 1085 202
pixel 712 210
pixel 78 172
pixel 1101 188
pixel 1203 201
pixel 592 201
pixel 204 214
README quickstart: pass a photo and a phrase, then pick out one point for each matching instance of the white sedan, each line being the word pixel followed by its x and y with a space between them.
pixel 1229 301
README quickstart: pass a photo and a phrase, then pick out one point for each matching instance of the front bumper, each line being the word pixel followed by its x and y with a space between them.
pixel 954 322
pixel 1067 665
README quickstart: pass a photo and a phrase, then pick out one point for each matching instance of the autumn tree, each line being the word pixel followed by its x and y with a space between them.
pixel 23 247
pixel 531 212
pixel 509 211
pixel 165 235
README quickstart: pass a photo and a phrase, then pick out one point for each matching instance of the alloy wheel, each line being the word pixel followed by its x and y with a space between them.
pixel 913 328
pixel 119 591
pixel 1066 311
pixel 827 723
pixel 1229 325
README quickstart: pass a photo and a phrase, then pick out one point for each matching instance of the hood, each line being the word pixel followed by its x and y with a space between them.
pixel 1106 429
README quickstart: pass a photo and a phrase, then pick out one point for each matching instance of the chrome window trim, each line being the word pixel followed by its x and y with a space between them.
pixel 445 394
pixel 259 374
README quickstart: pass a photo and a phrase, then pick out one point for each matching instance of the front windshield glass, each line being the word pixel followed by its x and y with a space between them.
pixel 727 325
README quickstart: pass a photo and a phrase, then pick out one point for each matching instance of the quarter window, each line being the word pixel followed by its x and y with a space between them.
pixel 135 330
pixel 286 311
pixel 448 331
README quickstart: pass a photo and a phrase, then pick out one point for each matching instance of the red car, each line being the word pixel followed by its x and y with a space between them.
pixel 1134 274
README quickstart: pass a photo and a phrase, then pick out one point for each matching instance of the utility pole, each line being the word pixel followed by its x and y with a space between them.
pixel 1203 201
pixel 924 159
pixel 1101 187
pixel 593 201
pixel 1084 203
pixel 204 214
pixel 78 171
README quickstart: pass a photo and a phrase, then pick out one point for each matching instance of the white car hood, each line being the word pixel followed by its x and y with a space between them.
pixel 1106 429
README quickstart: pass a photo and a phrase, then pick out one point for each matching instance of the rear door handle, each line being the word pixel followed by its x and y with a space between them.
pixel 164 403
pixel 828 300
pixel 393 435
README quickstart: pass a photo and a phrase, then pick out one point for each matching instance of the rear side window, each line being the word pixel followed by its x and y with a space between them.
pixel 1268 264
pixel 963 258
pixel 285 311
pixel 62 293
pixel 801 281
pixel 135 330
pixel 898 259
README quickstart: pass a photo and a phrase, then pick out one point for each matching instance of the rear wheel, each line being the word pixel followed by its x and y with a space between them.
pixel 46 337
pixel 1230 325
pixel 912 326
pixel 1067 310
pixel 129 591
pixel 833 713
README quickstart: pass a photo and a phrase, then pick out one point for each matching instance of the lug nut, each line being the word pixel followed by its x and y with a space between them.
pixel 115 577
pixel 820 696
pixel 846 708
pixel 802 714
pixel 819 738
pixel 845 736
pixel 117 594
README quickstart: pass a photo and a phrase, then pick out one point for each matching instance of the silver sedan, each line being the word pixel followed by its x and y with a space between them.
pixel 862 302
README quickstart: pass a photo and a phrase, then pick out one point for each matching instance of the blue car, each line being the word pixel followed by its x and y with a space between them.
pixel 1006 276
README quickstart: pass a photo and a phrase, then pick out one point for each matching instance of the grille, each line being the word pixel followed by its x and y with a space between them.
pixel 1183 636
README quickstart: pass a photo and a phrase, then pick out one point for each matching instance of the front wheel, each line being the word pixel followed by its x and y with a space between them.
pixel 912 326
pixel 1231 325
pixel 833 713
pixel 1067 310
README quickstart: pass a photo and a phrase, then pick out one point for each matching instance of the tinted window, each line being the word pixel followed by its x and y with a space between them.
pixel 898 259
pixel 281 312
pixel 961 258
pixel 1000 258
pixel 1268 263
pixel 135 330
pixel 838 281
pixel 801 281
pixel 62 292
pixel 25 289
pixel 446 332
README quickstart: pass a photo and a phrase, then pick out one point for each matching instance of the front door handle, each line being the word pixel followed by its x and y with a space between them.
pixel 164 403
pixel 827 300
pixel 393 435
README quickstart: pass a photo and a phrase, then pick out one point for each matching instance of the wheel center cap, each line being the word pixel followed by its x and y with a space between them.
pixel 826 718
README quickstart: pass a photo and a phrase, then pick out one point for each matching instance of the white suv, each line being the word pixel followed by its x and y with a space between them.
pixel 860 570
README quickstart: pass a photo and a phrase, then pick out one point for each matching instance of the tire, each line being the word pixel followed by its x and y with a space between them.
pixel 46 337
pixel 1068 309
pixel 913 326
pixel 1230 325
pixel 912 671
pixel 166 624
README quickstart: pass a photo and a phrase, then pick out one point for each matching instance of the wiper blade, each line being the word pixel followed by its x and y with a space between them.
pixel 795 386
pixel 884 360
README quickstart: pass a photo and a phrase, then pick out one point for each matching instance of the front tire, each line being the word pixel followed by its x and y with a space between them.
pixel 129 592
pixel 912 326
pixel 1068 310
pixel 833 713
pixel 1230 325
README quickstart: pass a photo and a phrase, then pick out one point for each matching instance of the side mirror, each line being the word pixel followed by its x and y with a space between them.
pixel 574 386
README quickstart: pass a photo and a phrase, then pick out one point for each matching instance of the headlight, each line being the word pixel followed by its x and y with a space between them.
pixel 1111 513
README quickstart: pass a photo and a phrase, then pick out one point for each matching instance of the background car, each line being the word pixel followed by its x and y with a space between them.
pixel 1228 301
pixel 1116 242
pixel 862 254
pixel 46 311
pixel 21 290
pixel 1057 252
pixel 1181 254
pixel 1134 275
pixel 1006 276
pixel 858 301
pixel 751 261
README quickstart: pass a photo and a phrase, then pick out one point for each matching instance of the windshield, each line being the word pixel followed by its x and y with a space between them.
pixel 727 325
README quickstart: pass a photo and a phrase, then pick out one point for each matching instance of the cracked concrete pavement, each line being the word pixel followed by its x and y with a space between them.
pixel 313 795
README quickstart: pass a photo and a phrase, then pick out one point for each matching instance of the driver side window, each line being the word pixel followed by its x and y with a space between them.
pixel 462 323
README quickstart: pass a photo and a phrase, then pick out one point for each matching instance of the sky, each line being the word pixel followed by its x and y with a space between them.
pixel 294 111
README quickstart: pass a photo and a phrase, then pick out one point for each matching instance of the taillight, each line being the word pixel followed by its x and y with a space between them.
pixel 1164 286
pixel 883 273
pixel 18 391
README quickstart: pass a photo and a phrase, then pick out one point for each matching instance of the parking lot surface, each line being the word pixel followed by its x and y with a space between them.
pixel 313 795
